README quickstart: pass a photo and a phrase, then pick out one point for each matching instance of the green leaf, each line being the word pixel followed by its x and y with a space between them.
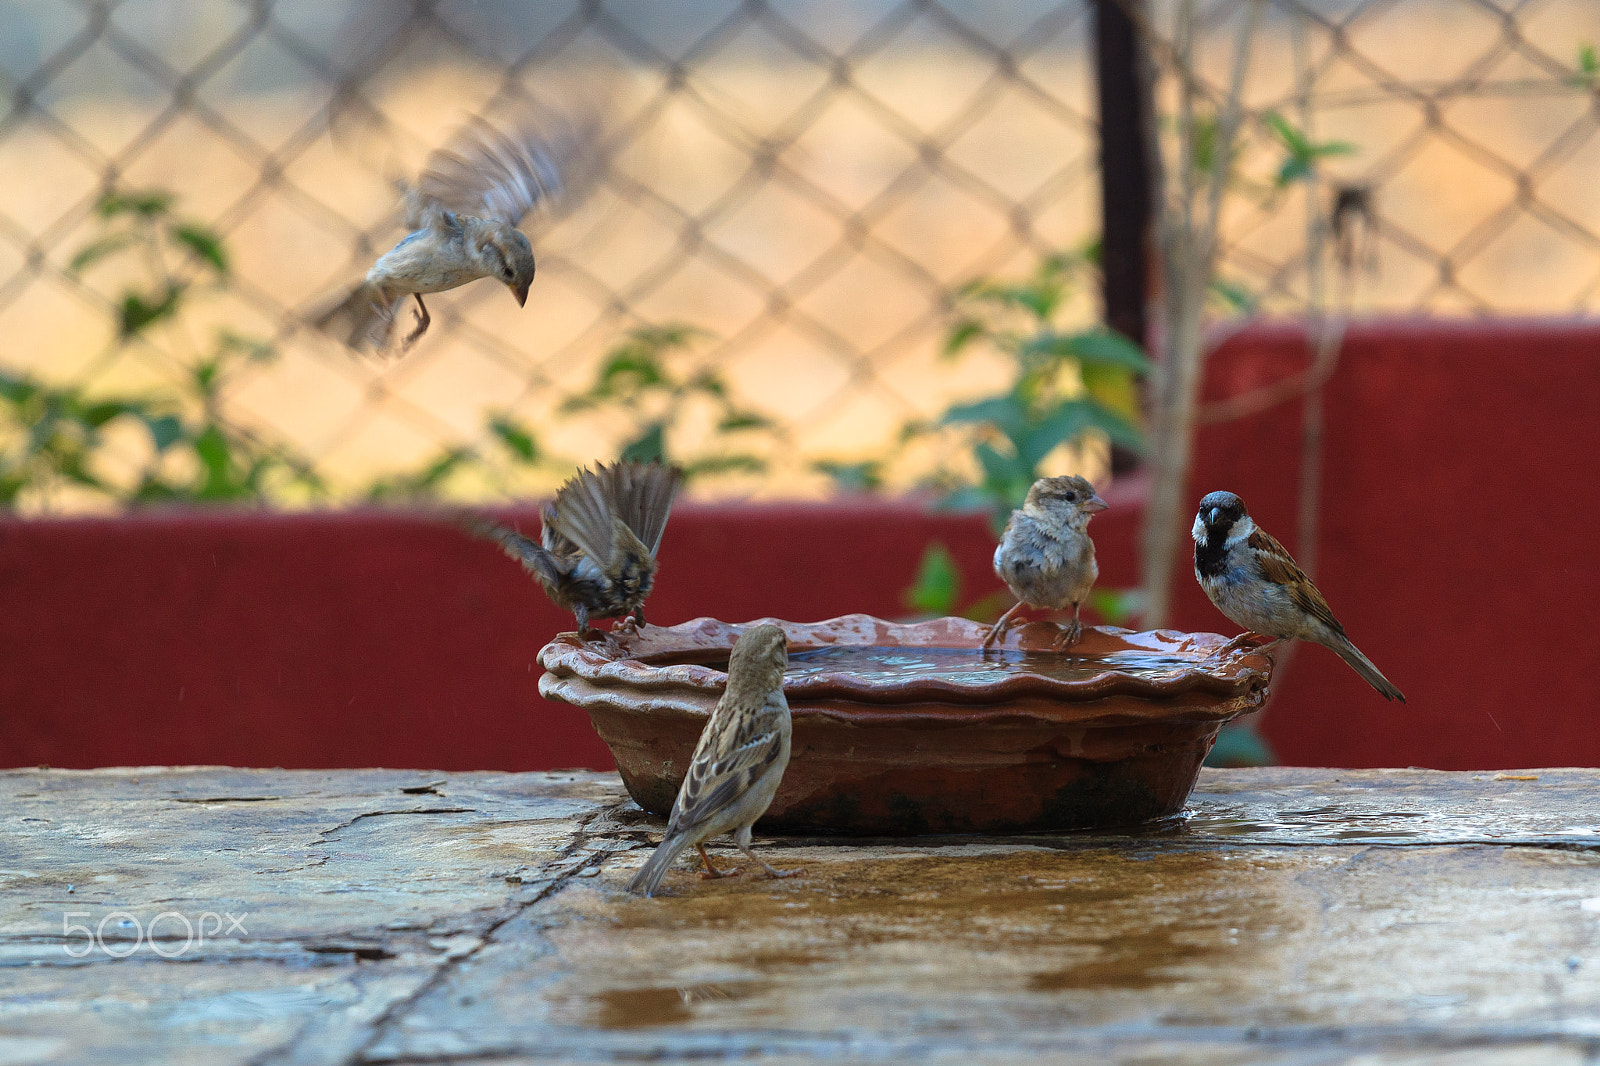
pixel 1205 143
pixel 142 204
pixel 1588 59
pixel 937 585
pixel 734 421
pixel 17 389
pixel 1004 412
pixel 254 351
pixel 1292 139
pixel 1070 420
pixel 96 415
pixel 99 249
pixel 1098 346
pixel 1038 299
pixel 516 437
pixel 722 464
pixel 710 383
pixel 203 242
pixel 631 368
pixel 215 456
pixel 852 477
pixel 1114 388
pixel 963 333
pixel 165 431
pixel 649 446
pixel 1238 298
pixel 1005 476
pixel 138 313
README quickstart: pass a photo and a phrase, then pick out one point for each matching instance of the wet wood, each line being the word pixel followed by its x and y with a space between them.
pixel 385 916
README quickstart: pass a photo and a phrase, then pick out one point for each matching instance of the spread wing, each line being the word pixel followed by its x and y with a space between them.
pixel 494 173
pixel 733 754
pixel 582 514
pixel 535 559
pixel 641 495
pixel 1279 567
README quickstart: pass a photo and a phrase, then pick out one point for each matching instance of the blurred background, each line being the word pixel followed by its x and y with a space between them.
pixel 824 255
pixel 764 167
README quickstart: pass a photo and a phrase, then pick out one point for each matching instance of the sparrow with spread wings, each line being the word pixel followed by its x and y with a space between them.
pixel 463 214
pixel 596 555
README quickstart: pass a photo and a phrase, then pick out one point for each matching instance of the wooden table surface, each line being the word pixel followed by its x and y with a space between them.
pixel 1294 916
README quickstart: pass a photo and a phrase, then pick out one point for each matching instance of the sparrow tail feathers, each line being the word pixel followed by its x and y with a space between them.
pixel 1369 673
pixel 363 319
pixel 648 879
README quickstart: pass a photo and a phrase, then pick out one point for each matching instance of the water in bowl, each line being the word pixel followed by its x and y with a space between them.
pixel 958 665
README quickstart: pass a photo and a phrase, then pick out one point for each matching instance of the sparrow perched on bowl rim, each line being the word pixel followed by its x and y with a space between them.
pixel 462 214
pixel 1045 555
pixel 596 555
pixel 737 764
pixel 1254 580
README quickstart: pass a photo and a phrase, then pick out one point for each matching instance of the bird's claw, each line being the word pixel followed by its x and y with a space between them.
pixel 716 875
pixel 1070 634
pixel 774 872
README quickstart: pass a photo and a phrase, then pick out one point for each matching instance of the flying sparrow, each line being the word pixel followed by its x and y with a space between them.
pixel 463 214
pixel 1045 556
pixel 737 764
pixel 596 555
pixel 1255 582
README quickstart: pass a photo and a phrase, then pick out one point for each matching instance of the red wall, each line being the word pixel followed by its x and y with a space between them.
pixel 1459 511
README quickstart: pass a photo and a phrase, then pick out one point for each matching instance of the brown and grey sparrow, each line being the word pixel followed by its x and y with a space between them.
pixel 1255 582
pixel 737 765
pixel 463 214
pixel 1045 556
pixel 596 556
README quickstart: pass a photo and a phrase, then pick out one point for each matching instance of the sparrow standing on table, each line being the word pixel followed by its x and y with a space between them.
pixel 1045 556
pixel 597 551
pixel 737 764
pixel 1255 582
pixel 463 215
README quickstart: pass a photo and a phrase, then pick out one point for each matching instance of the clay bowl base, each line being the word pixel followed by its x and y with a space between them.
pixel 879 755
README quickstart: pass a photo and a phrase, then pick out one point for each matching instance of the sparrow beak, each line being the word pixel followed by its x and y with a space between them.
pixel 521 293
pixel 1094 504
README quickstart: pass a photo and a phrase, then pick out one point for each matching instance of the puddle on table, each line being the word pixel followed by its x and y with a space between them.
pixel 963 665
pixel 1347 824
pixel 636 1008
pixel 1045 924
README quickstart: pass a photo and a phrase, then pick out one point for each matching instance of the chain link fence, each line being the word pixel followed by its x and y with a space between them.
pixel 804 183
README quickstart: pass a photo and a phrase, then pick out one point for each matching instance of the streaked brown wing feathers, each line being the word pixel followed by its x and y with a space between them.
pixel 1279 567
pixel 583 516
pixel 641 495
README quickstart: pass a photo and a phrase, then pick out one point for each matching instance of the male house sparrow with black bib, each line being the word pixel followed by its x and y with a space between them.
pixel 737 765
pixel 596 555
pixel 1045 556
pixel 1255 582
pixel 463 214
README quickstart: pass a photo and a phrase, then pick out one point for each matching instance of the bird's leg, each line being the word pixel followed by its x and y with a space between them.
pixel 581 613
pixel 999 628
pixel 423 319
pixel 1070 633
pixel 1249 639
pixel 631 623
pixel 711 873
pixel 772 871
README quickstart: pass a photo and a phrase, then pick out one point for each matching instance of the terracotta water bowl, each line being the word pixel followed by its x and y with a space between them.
pixel 908 729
